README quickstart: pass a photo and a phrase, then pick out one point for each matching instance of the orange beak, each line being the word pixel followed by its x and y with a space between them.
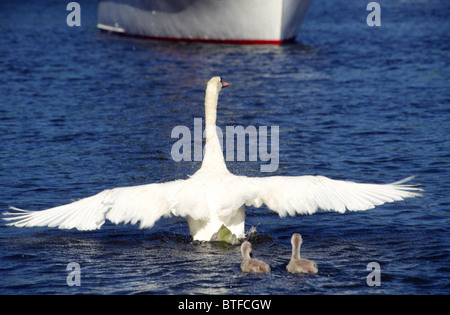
pixel 225 84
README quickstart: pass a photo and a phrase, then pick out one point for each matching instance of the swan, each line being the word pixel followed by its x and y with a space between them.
pixel 252 264
pixel 213 197
pixel 297 264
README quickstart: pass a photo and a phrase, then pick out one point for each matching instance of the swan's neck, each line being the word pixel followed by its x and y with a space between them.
pixel 213 156
pixel 296 250
pixel 211 99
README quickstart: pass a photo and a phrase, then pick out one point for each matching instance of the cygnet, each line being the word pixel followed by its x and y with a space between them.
pixel 297 264
pixel 252 264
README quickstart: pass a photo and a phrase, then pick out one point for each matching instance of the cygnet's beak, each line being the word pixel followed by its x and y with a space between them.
pixel 225 84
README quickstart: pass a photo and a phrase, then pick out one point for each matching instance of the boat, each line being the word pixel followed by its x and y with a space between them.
pixel 218 21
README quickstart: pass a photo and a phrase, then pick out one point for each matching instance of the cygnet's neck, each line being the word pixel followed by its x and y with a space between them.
pixel 296 249
pixel 245 250
pixel 213 155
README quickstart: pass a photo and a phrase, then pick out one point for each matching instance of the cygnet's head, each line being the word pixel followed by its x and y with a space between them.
pixel 296 239
pixel 246 249
pixel 216 83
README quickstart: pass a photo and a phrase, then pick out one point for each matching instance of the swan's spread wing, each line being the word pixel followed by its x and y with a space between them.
pixel 307 194
pixel 146 203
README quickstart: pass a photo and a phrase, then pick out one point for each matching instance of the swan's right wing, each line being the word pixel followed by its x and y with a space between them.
pixel 145 204
pixel 307 194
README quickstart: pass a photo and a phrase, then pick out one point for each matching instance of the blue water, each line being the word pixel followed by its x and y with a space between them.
pixel 82 111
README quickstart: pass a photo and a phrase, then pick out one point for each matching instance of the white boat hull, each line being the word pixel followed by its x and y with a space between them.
pixel 232 21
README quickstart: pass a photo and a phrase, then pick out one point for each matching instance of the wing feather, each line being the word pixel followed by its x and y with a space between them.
pixel 291 195
pixel 145 204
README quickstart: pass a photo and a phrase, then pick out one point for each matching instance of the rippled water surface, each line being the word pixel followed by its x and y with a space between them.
pixel 82 111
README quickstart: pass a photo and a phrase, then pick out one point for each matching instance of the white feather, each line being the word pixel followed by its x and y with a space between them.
pixel 119 205
pixel 293 195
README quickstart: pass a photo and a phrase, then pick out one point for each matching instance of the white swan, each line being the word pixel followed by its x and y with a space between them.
pixel 213 197
pixel 249 264
pixel 297 264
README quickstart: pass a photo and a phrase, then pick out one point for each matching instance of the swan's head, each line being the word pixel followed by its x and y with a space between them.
pixel 216 84
pixel 296 239
pixel 246 249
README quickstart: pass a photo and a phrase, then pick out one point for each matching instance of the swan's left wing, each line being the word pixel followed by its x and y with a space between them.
pixel 306 194
pixel 144 204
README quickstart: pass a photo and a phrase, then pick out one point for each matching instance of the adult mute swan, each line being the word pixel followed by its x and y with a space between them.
pixel 297 264
pixel 249 264
pixel 212 196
